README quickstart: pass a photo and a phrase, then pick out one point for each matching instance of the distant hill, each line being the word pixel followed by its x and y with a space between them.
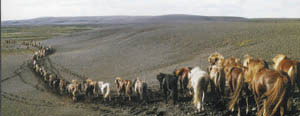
pixel 178 18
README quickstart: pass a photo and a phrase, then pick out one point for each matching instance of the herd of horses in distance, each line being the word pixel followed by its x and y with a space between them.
pixel 272 89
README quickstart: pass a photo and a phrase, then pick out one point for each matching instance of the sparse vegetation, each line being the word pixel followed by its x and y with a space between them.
pixel 39 32
pixel 25 33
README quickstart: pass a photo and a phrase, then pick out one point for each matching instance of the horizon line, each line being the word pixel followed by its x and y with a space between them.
pixel 149 16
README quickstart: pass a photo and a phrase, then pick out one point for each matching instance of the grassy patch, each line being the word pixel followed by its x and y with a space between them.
pixel 40 32
pixel 16 51
pixel 244 43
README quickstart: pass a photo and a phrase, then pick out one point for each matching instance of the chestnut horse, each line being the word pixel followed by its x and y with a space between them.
pixel 217 76
pixel 292 67
pixel 238 88
pixel 268 85
pixel 182 76
pixel 124 86
pixel 216 73
pixel 283 63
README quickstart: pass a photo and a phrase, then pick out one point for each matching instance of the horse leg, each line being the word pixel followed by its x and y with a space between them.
pixel 141 95
pixel 172 95
pixel 247 105
pixel 203 99
pixel 264 109
pixel 212 87
pixel 181 85
pixel 129 97
pixel 175 98
pixel 166 96
pixel 257 102
pixel 282 111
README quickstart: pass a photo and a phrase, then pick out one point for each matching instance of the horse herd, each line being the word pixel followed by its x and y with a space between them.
pixel 272 89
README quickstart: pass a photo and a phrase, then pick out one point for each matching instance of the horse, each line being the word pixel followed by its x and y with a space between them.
pixel 198 82
pixel 292 67
pixel 88 87
pixel 95 88
pixel 37 67
pixel 285 64
pixel 168 84
pixel 72 89
pixel 215 58
pixel 56 83
pixel 182 75
pixel 237 85
pixel 255 65
pixel 105 89
pixel 140 88
pixel 232 62
pixel 52 78
pixel 268 85
pixel 124 86
pixel 63 85
pixel 217 76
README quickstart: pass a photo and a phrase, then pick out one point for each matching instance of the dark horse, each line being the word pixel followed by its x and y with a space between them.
pixel 168 84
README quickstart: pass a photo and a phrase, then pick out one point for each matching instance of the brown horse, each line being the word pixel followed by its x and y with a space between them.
pixel 124 86
pixel 254 65
pixel 217 76
pixel 63 85
pixel 232 62
pixel 215 58
pixel 268 85
pixel 283 63
pixel 292 67
pixel 235 76
pixel 216 73
pixel 182 75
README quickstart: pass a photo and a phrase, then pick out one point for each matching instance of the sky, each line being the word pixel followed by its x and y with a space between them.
pixel 27 9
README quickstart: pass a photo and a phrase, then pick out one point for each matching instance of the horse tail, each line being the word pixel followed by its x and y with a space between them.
pixel 297 78
pixel 277 95
pixel 237 92
pixel 292 72
pixel 197 93
pixel 128 88
pixel 107 91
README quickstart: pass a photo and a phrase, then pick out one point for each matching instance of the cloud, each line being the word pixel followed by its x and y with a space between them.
pixel 24 9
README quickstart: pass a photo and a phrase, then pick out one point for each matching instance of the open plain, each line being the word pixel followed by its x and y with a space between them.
pixel 130 50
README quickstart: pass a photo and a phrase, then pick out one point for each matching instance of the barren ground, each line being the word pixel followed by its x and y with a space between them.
pixel 136 50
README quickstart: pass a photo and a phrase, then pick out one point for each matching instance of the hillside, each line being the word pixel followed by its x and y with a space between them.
pixel 118 20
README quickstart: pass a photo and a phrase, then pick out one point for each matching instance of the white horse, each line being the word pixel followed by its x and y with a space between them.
pixel 198 82
pixel 105 89
pixel 73 90
pixel 140 88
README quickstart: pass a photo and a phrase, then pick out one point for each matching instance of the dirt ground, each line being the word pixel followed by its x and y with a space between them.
pixel 129 51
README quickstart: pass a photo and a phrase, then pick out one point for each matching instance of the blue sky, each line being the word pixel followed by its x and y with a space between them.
pixel 26 9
